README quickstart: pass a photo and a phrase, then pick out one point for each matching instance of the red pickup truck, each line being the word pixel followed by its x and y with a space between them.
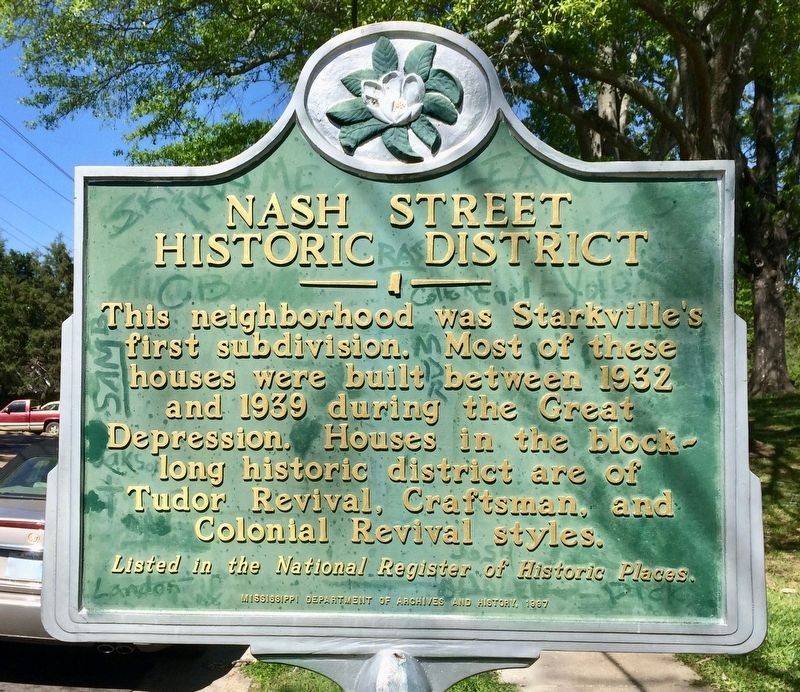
pixel 19 416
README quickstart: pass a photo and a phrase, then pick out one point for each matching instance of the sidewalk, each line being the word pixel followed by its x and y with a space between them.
pixel 559 671
pixel 563 671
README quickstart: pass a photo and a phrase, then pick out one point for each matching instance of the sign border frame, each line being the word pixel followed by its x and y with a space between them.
pixel 745 590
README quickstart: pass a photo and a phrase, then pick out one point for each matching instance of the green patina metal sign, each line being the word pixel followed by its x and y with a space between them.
pixel 402 371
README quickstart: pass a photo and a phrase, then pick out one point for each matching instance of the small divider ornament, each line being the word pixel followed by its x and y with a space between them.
pixel 389 102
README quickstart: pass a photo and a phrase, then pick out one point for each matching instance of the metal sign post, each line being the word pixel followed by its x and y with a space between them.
pixel 388 666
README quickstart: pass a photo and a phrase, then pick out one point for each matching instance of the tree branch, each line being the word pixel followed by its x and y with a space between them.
pixel 661 141
pixel 575 102
pixel 586 119
pixel 698 63
pixel 628 85
pixel 678 30
pixel 793 177
pixel 749 31
pixel 242 68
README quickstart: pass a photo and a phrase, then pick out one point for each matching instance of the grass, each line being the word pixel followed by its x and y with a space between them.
pixel 274 677
pixel 775 459
pixel 773 667
pixel 277 677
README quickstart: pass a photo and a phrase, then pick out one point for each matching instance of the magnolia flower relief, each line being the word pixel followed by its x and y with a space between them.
pixel 394 99
pixel 389 102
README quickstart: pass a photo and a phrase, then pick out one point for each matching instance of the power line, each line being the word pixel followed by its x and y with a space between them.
pixel 33 216
pixel 11 127
pixel 19 230
pixel 42 181
pixel 20 239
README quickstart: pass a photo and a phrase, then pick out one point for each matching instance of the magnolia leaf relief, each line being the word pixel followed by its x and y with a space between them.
pixel 347 112
pixel 354 80
pixel 388 102
pixel 425 130
pixel 420 60
pixel 440 107
pixel 384 56
pixel 353 136
pixel 396 141
pixel 444 83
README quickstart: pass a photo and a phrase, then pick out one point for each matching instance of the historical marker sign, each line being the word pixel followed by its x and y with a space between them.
pixel 401 372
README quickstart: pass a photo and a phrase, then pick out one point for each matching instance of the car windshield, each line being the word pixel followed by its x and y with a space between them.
pixel 28 477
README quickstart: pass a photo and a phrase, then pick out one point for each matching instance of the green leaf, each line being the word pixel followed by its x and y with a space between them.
pixel 396 141
pixel 348 112
pixel 352 82
pixel 203 143
pixel 420 60
pixel 444 83
pixel 439 107
pixel 384 56
pixel 427 132
pixel 353 136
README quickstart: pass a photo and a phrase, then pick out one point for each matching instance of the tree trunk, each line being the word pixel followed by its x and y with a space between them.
pixel 768 246
pixel 606 109
pixel 769 374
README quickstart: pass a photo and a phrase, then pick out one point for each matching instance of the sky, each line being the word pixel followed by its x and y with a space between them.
pixel 36 194
pixel 36 190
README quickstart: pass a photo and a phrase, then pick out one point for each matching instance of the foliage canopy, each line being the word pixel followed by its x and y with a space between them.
pixel 598 79
pixel 36 292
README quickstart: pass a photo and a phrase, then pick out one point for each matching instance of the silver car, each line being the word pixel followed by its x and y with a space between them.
pixel 23 483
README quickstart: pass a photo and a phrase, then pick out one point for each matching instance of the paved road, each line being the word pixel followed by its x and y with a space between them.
pixel 13 442
pixel 32 667
pixel 42 668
